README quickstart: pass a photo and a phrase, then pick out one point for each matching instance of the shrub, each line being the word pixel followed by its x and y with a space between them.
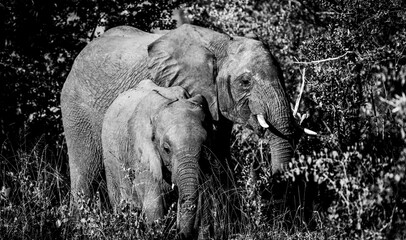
pixel 32 190
pixel 349 55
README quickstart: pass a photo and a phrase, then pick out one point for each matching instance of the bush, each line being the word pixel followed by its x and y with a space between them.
pixel 349 55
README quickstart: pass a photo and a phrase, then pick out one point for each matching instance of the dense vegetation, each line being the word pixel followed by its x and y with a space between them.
pixel 349 54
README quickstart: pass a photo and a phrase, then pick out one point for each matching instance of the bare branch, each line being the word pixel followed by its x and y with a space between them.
pixel 300 93
pixel 333 13
pixel 324 60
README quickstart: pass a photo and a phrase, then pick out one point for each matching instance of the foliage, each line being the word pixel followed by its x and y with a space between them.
pixel 367 195
pixel 128 222
pixel 351 57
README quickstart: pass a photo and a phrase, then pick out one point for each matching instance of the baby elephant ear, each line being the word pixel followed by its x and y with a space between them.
pixel 198 99
pixel 181 58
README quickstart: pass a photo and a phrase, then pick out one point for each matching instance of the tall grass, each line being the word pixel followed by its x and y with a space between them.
pixel 34 194
pixel 35 205
pixel 352 194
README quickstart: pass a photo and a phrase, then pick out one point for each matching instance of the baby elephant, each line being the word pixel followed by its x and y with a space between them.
pixel 152 139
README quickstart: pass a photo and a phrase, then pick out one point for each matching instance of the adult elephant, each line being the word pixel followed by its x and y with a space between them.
pixel 152 138
pixel 238 76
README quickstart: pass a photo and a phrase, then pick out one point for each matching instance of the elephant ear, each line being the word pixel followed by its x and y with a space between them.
pixel 187 57
pixel 198 99
pixel 140 134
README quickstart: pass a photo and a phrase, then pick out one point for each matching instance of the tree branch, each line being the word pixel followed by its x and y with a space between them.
pixel 300 93
pixel 323 60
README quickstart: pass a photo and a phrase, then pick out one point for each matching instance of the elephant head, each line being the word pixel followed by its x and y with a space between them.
pixel 179 134
pixel 159 133
pixel 238 76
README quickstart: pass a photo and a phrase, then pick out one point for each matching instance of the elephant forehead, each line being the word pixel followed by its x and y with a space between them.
pixel 180 122
pixel 180 119
pixel 249 55
pixel 188 134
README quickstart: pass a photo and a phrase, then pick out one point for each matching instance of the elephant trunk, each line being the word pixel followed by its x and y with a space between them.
pixel 281 151
pixel 277 117
pixel 188 184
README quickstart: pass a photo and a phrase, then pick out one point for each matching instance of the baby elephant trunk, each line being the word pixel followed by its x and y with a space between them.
pixel 188 184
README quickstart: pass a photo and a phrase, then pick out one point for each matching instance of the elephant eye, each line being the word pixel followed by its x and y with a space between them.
pixel 167 148
pixel 245 80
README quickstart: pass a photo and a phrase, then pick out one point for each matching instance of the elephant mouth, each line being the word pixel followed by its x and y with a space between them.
pixel 253 124
pixel 262 127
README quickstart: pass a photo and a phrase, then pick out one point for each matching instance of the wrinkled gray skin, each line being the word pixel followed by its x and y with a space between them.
pixel 238 77
pixel 152 138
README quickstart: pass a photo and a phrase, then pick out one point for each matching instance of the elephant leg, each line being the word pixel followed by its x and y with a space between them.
pixel 85 170
pixel 153 201
pixel 113 185
pixel 85 156
pixel 149 191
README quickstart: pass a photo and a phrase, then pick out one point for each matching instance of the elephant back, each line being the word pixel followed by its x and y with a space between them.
pixel 107 66
pixel 124 31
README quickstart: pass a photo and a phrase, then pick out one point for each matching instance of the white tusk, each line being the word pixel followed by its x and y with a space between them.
pixel 309 132
pixel 173 186
pixel 261 121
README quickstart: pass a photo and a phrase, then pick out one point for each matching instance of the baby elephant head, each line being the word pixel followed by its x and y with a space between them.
pixel 179 133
